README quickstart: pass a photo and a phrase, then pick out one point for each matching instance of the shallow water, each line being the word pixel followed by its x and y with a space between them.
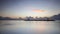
pixel 29 27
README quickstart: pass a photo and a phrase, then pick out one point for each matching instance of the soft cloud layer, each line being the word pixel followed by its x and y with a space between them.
pixel 37 10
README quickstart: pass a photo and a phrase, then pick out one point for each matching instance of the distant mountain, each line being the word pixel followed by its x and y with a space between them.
pixel 4 18
pixel 56 17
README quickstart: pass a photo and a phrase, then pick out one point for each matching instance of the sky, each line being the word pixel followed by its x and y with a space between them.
pixel 23 8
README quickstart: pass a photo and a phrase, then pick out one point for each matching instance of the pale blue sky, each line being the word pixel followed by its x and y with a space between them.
pixel 22 8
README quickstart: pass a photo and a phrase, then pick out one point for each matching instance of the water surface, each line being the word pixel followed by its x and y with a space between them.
pixel 29 27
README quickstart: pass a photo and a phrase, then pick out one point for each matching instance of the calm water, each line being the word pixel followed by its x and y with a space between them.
pixel 29 27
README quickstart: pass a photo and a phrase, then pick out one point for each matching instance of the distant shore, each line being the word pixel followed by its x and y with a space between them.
pixel 35 20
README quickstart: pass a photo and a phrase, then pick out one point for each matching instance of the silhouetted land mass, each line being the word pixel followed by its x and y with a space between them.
pixel 7 18
pixel 55 17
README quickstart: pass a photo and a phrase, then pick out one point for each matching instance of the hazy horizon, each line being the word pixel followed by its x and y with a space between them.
pixel 23 8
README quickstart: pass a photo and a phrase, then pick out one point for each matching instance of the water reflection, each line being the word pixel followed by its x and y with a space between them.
pixel 29 27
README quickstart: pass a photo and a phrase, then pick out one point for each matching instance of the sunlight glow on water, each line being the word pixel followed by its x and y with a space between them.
pixel 29 27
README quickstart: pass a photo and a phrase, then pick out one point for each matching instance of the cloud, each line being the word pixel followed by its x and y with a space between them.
pixel 37 10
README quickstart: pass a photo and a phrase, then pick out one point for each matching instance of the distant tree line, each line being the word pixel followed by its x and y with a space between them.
pixel 55 17
pixel 7 18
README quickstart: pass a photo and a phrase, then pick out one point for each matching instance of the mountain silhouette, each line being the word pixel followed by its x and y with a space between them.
pixel 56 17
